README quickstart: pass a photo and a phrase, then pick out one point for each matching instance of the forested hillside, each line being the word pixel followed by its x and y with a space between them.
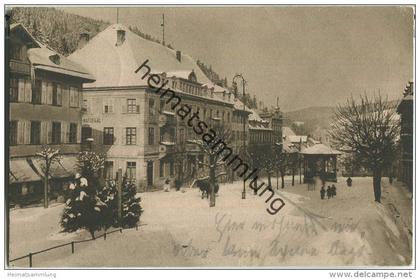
pixel 55 28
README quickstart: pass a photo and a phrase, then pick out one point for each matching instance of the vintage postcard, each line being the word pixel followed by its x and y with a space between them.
pixel 210 137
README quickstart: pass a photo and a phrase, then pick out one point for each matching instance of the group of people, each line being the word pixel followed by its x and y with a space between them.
pixel 331 191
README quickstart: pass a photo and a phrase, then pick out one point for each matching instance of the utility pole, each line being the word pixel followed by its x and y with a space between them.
pixel 117 15
pixel 163 29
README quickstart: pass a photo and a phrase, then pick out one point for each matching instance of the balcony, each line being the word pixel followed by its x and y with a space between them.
pixel 20 67
pixel 167 118
pixel 166 147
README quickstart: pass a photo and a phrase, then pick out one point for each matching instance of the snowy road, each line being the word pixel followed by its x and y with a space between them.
pixel 179 229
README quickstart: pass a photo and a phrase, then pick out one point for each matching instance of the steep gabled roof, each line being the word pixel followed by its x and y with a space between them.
pixel 43 58
pixel 114 66
pixel 18 27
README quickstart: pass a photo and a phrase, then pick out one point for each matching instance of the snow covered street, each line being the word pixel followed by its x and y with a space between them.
pixel 180 229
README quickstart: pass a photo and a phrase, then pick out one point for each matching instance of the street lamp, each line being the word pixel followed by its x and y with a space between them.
pixel 234 84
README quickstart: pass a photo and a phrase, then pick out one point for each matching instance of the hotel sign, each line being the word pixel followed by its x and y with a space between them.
pixel 91 120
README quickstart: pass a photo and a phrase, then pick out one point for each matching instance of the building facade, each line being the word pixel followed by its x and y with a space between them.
pixel 405 109
pixel 137 128
pixel 45 108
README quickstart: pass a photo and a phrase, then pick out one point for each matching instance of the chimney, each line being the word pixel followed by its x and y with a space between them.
pixel 178 55
pixel 120 37
pixel 84 38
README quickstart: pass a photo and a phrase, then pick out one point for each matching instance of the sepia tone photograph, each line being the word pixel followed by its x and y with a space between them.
pixel 227 137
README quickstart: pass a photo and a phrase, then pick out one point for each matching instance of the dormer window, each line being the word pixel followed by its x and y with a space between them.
pixel 55 59
pixel 192 77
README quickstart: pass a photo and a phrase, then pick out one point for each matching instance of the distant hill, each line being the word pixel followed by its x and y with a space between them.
pixel 314 119
pixel 57 29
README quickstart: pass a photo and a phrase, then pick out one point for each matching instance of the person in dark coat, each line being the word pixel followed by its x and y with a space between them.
pixel 329 192
pixel 322 192
pixel 333 191
pixel 349 181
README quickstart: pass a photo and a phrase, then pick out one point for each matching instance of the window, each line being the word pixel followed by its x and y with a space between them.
pixel 86 133
pixel 56 101
pixel 13 132
pixel 161 168
pixel 109 170
pixel 131 170
pixel 37 92
pixel 151 136
pixel 35 132
pixel 171 168
pixel 16 52
pixel 56 132
pixel 13 91
pixel 181 135
pixel 73 133
pixel 162 105
pixel 151 108
pixel 108 136
pixel 130 136
pixel 132 106
pixel 109 106
pixel 74 97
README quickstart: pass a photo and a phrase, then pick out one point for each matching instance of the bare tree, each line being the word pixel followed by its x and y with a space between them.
pixel 369 129
pixel 48 157
pixel 215 156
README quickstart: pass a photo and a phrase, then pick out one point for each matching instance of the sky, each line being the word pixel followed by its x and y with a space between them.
pixel 306 56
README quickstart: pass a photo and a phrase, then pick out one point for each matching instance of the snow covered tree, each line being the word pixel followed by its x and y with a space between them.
pixel 369 129
pixel 91 165
pixel 131 209
pixel 48 157
pixel 83 209
pixel 109 196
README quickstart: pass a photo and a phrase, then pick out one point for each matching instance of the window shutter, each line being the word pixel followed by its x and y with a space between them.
pixel 124 108
pixel 64 132
pixel 59 95
pixel 49 93
pixel 44 132
pixel 49 132
pixel 123 137
pixel 28 91
pixel 44 93
pixel 80 98
pixel 103 105
pixel 27 132
pixel 137 108
pixel 78 133
pixel 21 132
pixel 21 90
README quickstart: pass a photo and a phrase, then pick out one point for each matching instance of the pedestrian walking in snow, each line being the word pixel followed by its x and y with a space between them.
pixel 166 186
pixel 333 191
pixel 329 192
pixel 322 192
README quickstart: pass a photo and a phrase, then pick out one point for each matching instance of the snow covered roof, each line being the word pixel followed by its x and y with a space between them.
pixel 15 27
pixel 320 149
pixel 45 59
pixel 297 139
pixel 239 105
pixel 287 131
pixel 114 65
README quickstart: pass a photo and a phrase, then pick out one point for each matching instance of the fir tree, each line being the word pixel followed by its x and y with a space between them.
pixel 131 209
pixel 108 195
pixel 83 210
